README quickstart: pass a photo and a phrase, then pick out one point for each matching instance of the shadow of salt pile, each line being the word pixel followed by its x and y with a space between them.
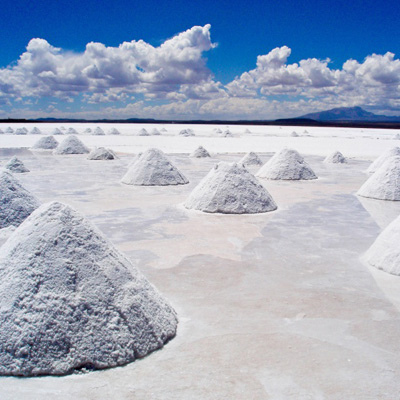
pixel 382 212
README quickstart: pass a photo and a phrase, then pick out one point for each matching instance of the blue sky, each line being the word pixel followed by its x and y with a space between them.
pixel 257 60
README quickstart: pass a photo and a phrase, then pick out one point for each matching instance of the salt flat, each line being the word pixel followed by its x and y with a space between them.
pixel 271 306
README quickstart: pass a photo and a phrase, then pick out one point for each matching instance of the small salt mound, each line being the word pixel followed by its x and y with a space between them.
pixel 384 184
pixel 56 131
pixel 69 300
pixel 46 143
pixel 287 164
pixel 294 134
pixel 305 131
pixel 335 158
pixel 16 202
pixel 72 131
pixel 384 253
pixel 186 132
pixel 143 132
pixel 247 130
pixel 250 158
pixel 87 130
pixel 113 131
pixel 163 130
pixel 218 130
pixel 153 168
pixel 98 131
pixel 35 131
pixel 20 131
pixel 9 130
pixel 155 131
pixel 16 165
pixel 200 152
pixel 71 145
pixel 101 153
pixel 394 151
pixel 227 133
pixel 63 128
pixel 230 189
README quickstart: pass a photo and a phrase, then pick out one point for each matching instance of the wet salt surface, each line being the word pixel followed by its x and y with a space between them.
pixel 271 306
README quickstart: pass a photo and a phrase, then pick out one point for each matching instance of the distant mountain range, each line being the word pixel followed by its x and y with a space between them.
pixel 354 114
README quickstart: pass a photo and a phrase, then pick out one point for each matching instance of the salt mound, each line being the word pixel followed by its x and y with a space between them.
pixel 114 131
pixel 394 151
pixel 9 130
pixel 72 131
pixel 155 132
pixel 247 130
pixel 143 132
pixel 251 158
pixel 230 189
pixel 218 130
pixel 294 134
pixel 46 143
pixel 70 300
pixel 56 131
pixel 227 133
pixel 384 184
pixel 16 203
pixel 20 131
pixel 335 158
pixel 287 164
pixel 87 130
pixel 98 131
pixel 35 131
pixel 102 153
pixel 16 165
pixel 63 128
pixel 186 132
pixel 163 130
pixel 71 145
pixel 384 253
pixel 200 152
pixel 153 168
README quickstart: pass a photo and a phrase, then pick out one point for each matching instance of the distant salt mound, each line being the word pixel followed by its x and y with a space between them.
pixel 394 151
pixel 335 158
pixel 9 130
pixel 227 133
pixel 155 132
pixel 384 184
pixel 163 130
pixel 153 168
pixel 186 132
pixel 72 131
pixel 247 130
pixel 218 130
pixel 98 131
pixel 63 128
pixel 16 165
pixel 69 300
pixel 35 131
pixel 287 164
pixel 143 132
pixel 87 130
pixel 294 134
pixel 230 189
pixel 114 131
pixel 20 131
pixel 16 202
pixel 250 158
pixel 305 131
pixel 200 152
pixel 102 153
pixel 46 143
pixel 71 145
pixel 384 253
pixel 56 131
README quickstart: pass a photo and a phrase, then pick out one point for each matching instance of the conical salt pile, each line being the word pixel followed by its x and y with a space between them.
pixel 46 143
pixel 247 130
pixel 16 165
pixel 155 132
pixel 71 145
pixel 200 152
pixel 163 130
pixel 143 132
pixel 70 300
pixel 101 153
pixel 20 131
pixel 186 132
pixel 153 168
pixel 87 130
pixel 227 133
pixel 287 164
pixel 113 131
pixel 384 184
pixel 56 131
pixel 35 131
pixel 230 189
pixel 335 158
pixel 251 158
pixel 384 254
pixel 394 151
pixel 218 130
pixel 294 134
pixel 72 131
pixel 98 131
pixel 16 203
pixel 9 130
